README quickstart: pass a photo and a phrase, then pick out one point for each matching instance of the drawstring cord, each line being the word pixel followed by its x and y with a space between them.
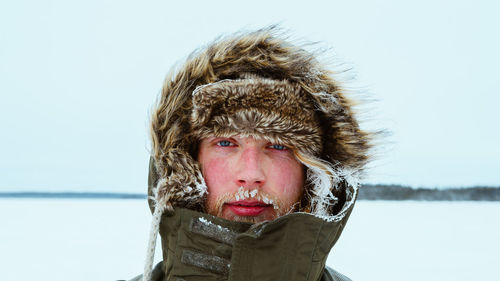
pixel 153 234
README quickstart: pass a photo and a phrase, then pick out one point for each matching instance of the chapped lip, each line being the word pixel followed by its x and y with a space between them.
pixel 248 207
pixel 249 203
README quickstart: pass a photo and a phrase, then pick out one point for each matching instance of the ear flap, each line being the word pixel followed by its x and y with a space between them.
pixel 177 181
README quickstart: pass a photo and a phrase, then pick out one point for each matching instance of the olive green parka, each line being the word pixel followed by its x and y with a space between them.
pixel 256 85
pixel 201 247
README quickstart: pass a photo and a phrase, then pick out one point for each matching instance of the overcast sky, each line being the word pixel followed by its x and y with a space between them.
pixel 78 79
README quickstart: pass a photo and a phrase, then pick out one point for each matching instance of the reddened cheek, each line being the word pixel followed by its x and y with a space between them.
pixel 289 178
pixel 217 175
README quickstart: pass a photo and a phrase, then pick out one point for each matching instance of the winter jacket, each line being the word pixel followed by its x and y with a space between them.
pixel 257 85
pixel 205 248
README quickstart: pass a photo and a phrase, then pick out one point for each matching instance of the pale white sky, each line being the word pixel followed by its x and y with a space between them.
pixel 77 80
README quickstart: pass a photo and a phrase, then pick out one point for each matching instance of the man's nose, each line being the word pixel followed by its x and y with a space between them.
pixel 250 170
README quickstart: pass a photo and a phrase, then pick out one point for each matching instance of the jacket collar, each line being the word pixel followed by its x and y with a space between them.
pixel 204 247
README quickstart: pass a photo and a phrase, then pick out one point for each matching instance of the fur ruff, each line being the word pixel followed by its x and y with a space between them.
pixel 256 84
pixel 277 111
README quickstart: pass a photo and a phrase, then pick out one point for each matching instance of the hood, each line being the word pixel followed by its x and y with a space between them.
pixel 255 84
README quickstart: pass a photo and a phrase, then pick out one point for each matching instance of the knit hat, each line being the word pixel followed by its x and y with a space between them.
pixel 255 84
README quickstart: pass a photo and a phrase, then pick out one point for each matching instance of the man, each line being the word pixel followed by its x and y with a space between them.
pixel 255 164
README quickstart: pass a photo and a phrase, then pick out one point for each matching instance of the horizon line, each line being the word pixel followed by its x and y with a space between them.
pixel 72 194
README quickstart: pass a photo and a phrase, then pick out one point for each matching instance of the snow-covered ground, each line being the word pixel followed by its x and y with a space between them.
pixel 42 239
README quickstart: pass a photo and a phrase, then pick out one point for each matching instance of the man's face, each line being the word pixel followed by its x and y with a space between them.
pixel 248 179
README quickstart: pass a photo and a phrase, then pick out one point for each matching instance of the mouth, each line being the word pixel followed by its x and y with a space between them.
pixel 248 207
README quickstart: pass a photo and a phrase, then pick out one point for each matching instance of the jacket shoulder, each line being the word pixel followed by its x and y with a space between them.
pixel 331 275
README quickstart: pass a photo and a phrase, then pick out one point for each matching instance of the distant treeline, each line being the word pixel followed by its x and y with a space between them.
pixel 398 192
pixel 75 195
pixel 366 192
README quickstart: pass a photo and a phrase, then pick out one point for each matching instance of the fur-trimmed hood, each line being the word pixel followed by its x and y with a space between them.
pixel 252 84
pixel 255 84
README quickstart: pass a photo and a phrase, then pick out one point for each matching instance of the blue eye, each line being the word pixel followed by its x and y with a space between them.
pixel 224 143
pixel 278 147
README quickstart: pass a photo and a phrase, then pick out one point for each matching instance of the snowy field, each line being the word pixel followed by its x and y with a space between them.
pixel 82 240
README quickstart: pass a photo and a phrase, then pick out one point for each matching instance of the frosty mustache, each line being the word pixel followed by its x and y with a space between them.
pixel 242 194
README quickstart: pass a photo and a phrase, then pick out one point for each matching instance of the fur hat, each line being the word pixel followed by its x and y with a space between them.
pixel 255 84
